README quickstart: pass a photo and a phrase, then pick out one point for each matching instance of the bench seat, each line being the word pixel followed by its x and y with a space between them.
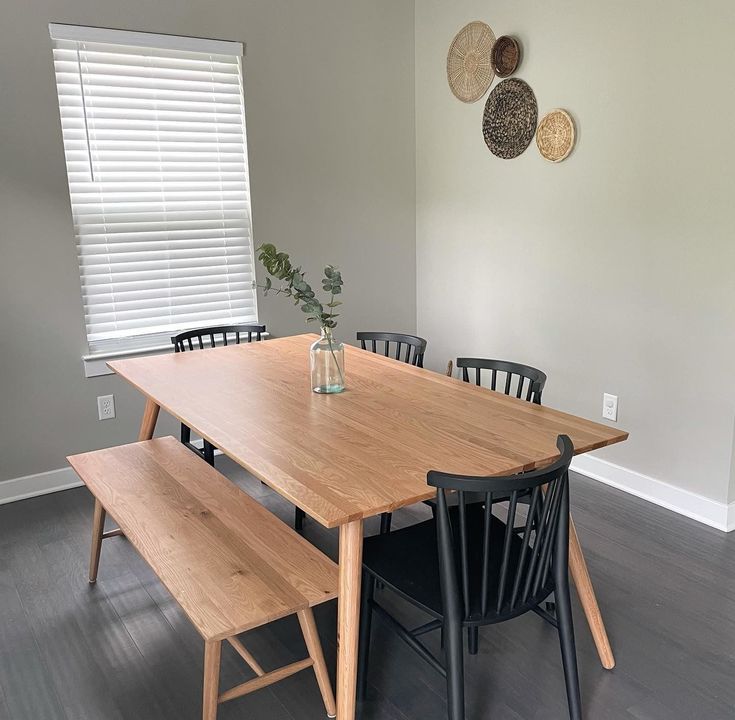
pixel 228 562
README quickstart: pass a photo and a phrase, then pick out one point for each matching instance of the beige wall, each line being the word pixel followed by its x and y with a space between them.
pixel 613 271
pixel 330 113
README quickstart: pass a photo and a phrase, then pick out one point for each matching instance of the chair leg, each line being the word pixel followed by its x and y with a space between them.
pixel 568 649
pixel 212 654
pixel 185 434
pixel 473 640
pixel 454 652
pixel 98 528
pixel 385 522
pixel 314 646
pixel 298 519
pixel 366 620
pixel 209 452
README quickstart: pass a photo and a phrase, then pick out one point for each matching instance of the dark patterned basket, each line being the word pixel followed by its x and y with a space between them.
pixel 510 118
pixel 506 55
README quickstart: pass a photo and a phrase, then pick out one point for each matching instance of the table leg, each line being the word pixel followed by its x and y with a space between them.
pixel 150 417
pixel 147 428
pixel 348 616
pixel 583 583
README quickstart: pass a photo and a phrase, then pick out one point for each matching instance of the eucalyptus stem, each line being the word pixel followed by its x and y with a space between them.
pixel 294 285
pixel 334 357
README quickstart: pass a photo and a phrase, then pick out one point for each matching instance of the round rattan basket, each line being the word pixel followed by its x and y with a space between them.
pixel 469 65
pixel 509 120
pixel 505 56
pixel 555 135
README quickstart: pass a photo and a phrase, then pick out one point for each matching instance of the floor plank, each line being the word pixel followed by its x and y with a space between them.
pixel 24 691
pixel 123 649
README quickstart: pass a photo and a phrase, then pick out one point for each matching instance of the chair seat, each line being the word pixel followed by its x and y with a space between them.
pixel 407 561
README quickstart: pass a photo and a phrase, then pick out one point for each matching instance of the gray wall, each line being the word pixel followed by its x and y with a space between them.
pixel 613 270
pixel 330 112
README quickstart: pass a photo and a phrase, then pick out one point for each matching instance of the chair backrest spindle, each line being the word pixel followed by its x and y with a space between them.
pixel 518 558
pixel 415 346
pixel 216 335
pixel 486 549
pixel 516 375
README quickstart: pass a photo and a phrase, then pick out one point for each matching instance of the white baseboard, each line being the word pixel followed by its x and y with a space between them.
pixel 48 482
pixel 697 507
pixel 39 484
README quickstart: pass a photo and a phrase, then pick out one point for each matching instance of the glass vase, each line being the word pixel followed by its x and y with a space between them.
pixel 327 364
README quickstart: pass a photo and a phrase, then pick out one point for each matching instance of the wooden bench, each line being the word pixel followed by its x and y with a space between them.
pixel 230 564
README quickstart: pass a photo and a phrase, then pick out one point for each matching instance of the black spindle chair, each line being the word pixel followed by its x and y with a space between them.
pixel 201 339
pixel 511 378
pixel 407 348
pixel 468 568
pixel 522 381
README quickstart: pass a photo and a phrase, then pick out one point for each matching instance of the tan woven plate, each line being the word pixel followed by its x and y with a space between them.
pixel 555 135
pixel 469 68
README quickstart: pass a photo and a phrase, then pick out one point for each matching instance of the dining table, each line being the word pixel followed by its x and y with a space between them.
pixel 346 457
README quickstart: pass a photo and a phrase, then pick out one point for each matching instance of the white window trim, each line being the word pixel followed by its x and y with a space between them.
pixel 95 365
pixel 144 39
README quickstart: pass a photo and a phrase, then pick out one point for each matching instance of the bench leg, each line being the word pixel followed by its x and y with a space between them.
pixel 98 528
pixel 314 646
pixel 212 654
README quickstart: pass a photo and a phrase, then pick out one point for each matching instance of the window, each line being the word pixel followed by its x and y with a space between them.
pixel 156 156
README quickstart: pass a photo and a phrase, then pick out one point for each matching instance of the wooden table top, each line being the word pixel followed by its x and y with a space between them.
pixel 361 452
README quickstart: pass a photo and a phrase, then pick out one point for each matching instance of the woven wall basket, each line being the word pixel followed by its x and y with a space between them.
pixel 505 56
pixel 469 67
pixel 555 135
pixel 510 117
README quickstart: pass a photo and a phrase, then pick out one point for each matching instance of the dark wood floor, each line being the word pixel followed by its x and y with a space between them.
pixel 122 649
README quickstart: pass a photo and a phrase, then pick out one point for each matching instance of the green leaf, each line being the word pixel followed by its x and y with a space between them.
pixel 294 285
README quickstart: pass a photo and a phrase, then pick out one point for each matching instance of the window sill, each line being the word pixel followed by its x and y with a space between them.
pixel 95 365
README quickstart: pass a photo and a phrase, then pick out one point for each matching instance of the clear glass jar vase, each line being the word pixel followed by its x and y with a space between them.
pixel 327 364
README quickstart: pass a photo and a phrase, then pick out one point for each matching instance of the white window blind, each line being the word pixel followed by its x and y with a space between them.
pixel 156 155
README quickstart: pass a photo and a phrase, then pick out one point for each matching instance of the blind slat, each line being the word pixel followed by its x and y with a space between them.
pixel 154 139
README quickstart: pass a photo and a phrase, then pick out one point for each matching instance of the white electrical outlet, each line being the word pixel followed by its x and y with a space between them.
pixel 106 407
pixel 610 407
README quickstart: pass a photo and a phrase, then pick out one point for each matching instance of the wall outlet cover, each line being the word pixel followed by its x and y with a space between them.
pixel 106 407
pixel 610 407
